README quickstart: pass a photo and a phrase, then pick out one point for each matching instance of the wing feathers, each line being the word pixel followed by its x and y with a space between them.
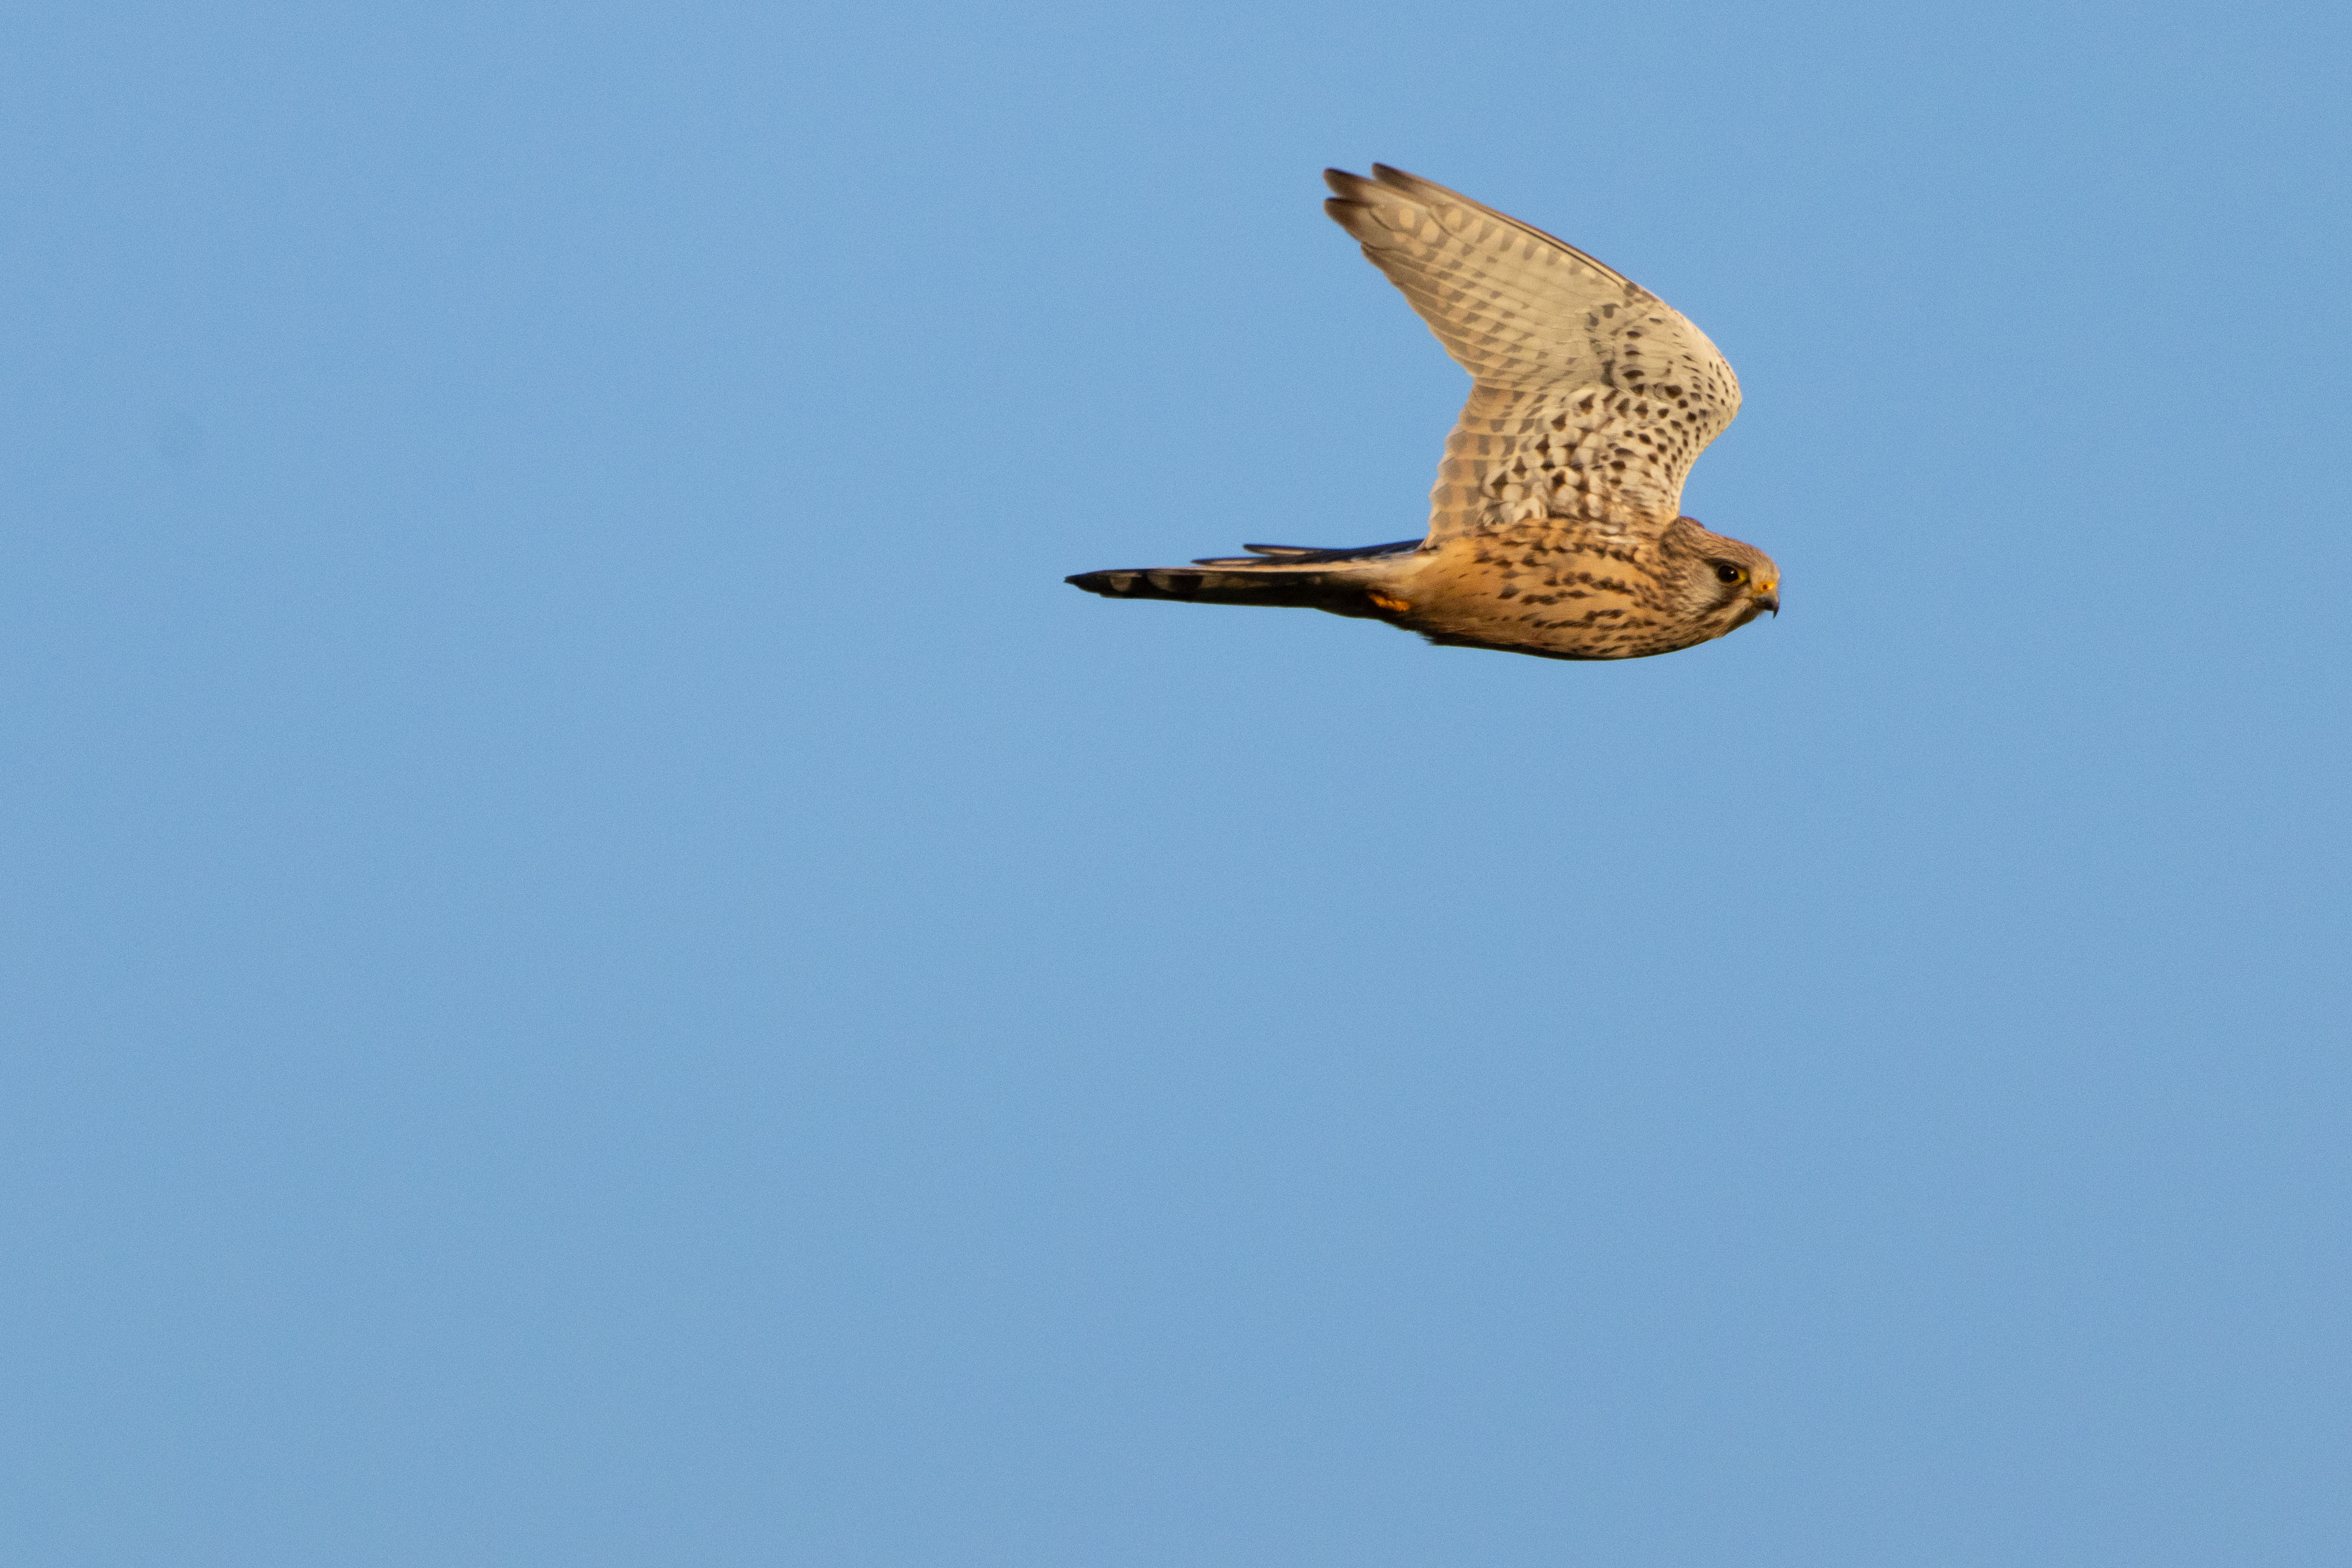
pixel 1592 396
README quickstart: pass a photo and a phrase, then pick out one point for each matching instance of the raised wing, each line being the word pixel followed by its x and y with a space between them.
pixel 1592 396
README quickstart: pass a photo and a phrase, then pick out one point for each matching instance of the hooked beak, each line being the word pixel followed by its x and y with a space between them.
pixel 1769 599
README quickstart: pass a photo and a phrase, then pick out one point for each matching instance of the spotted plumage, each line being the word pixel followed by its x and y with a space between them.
pixel 1555 526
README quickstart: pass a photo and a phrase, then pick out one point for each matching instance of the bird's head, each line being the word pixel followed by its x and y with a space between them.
pixel 1725 584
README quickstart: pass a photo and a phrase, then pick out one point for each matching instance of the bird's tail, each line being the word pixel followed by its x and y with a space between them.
pixel 1283 577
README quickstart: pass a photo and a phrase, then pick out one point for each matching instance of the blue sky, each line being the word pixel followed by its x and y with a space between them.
pixel 604 966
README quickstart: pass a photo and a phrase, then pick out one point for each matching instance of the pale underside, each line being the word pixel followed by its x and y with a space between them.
pixel 1591 397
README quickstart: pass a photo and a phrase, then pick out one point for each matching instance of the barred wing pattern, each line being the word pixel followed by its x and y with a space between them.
pixel 1591 397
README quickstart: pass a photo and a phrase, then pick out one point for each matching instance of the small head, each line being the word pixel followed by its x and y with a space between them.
pixel 1726 584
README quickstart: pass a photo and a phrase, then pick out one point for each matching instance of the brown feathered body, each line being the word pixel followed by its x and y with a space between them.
pixel 1555 525
pixel 1571 592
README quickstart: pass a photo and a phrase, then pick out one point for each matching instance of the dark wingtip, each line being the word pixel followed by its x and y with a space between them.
pixel 1347 184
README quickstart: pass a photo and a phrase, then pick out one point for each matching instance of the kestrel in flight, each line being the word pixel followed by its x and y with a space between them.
pixel 1556 525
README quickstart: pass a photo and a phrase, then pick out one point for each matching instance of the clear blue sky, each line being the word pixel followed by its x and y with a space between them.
pixel 604 967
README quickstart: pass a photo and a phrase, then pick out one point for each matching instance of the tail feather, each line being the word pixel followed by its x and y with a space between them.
pixel 1279 576
pixel 1277 590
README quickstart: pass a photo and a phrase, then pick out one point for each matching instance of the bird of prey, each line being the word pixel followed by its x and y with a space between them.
pixel 1556 528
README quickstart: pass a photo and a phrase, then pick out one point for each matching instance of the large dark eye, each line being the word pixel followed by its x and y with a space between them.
pixel 1724 571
